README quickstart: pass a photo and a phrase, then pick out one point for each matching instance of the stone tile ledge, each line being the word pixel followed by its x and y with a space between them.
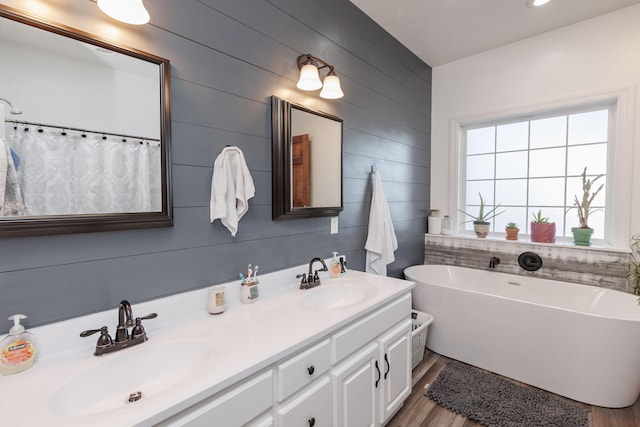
pixel 595 266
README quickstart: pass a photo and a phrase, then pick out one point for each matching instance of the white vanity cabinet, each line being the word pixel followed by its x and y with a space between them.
pixel 371 385
pixel 356 376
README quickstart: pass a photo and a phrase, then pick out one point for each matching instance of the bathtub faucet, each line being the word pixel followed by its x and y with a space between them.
pixel 493 262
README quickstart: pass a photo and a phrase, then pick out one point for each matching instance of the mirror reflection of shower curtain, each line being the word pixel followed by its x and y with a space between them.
pixel 68 174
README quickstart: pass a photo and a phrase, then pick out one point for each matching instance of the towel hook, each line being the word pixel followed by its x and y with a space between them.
pixel 373 171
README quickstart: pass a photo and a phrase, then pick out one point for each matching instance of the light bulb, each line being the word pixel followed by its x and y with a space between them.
pixel 309 78
pixel 535 3
pixel 127 11
pixel 331 88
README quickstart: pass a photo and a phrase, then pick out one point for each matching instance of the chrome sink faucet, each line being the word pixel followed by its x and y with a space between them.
pixel 311 279
pixel 125 321
pixel 124 338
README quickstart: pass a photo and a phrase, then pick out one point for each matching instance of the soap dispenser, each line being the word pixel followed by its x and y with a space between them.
pixel 18 349
pixel 334 267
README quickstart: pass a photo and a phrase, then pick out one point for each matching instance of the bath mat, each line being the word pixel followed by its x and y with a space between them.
pixel 488 399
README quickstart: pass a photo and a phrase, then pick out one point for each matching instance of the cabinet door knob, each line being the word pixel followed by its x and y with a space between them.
pixel 311 369
pixel 312 422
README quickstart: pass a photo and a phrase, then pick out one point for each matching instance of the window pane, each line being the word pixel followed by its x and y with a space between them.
pixel 511 165
pixel 547 162
pixel 512 214
pixel 481 140
pixel 588 127
pixel 546 192
pixel 512 192
pixel 483 187
pixel 536 164
pixel 574 188
pixel 480 167
pixel 514 136
pixel 550 132
pixel 594 157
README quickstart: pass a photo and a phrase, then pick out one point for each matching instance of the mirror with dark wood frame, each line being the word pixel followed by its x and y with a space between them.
pixel 73 104
pixel 306 161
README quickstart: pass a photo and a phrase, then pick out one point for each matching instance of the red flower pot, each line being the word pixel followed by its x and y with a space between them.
pixel 543 232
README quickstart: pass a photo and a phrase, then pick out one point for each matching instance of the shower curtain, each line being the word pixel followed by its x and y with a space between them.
pixel 71 174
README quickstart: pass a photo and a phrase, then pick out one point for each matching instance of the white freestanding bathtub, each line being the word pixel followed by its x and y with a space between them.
pixel 578 341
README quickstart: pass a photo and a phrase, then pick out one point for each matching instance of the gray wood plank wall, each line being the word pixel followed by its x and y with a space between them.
pixel 227 58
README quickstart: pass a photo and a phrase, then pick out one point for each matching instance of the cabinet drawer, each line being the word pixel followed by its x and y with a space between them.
pixel 302 369
pixel 235 407
pixel 365 330
pixel 311 408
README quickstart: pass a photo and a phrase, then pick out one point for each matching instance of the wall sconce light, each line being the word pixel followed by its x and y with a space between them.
pixel 310 67
pixel 536 3
pixel 127 11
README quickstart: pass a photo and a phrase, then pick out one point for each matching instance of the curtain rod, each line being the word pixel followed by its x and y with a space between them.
pixel 17 122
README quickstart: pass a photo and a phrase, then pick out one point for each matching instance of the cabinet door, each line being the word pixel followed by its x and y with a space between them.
pixel 355 395
pixel 395 361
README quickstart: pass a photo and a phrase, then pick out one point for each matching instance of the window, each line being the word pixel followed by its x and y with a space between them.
pixel 535 163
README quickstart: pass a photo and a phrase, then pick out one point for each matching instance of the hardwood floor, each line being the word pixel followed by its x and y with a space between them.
pixel 420 411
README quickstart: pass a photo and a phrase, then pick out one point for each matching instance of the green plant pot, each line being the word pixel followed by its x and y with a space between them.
pixel 582 236
pixel 481 229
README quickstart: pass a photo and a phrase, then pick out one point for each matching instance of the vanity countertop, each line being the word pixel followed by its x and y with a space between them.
pixel 236 344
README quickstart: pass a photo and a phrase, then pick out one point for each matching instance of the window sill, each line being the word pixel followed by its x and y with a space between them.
pixel 499 240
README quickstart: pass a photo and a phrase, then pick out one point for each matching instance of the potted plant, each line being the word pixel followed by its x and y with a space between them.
pixel 512 231
pixel 542 230
pixel 582 234
pixel 481 222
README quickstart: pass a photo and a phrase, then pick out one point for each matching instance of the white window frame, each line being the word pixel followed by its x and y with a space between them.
pixel 619 158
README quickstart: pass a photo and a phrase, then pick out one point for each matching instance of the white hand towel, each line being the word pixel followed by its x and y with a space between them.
pixel 11 203
pixel 231 188
pixel 381 239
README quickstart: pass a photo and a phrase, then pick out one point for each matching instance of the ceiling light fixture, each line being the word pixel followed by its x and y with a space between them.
pixel 536 3
pixel 310 67
pixel 127 11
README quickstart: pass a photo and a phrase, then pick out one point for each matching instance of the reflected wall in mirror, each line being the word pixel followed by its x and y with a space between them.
pixel 84 132
pixel 307 161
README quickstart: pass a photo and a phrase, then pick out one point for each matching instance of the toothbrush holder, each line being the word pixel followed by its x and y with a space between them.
pixel 249 291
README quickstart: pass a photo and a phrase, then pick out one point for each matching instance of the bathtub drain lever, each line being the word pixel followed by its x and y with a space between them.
pixel 493 262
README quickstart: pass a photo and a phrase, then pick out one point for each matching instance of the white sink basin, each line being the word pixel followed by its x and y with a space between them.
pixel 338 293
pixel 148 368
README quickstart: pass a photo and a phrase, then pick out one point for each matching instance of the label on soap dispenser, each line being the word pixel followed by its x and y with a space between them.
pixel 17 352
